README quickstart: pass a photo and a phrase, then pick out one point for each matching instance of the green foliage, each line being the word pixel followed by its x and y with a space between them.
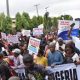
pixel 18 21
pixel 66 17
pixel 47 21
pixel 24 21
pixel 2 19
pixel 5 23
pixel 35 21
pixel 55 22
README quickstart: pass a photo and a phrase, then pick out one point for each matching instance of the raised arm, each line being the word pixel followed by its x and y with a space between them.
pixel 71 27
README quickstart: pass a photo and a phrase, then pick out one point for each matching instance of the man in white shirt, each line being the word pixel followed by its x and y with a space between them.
pixel 17 59
pixel 60 45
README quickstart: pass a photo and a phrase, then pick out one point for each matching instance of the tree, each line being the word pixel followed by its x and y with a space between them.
pixel 7 24
pixel 25 20
pixel 35 21
pixel 66 17
pixel 47 21
pixel 2 18
pixel 40 20
pixel 55 22
pixel 18 21
pixel 46 15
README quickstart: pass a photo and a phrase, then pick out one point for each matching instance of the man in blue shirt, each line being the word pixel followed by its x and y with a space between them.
pixel 54 56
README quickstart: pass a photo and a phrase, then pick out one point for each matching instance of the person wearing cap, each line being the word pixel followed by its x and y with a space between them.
pixel 17 58
pixel 60 45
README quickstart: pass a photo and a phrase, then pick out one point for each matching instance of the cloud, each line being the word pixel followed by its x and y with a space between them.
pixel 56 7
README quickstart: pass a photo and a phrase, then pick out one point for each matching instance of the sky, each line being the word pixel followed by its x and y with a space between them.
pixel 55 7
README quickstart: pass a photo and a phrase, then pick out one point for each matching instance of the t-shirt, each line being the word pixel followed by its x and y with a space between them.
pixel 57 46
pixel 55 57
pixel 76 40
pixel 72 59
pixel 42 61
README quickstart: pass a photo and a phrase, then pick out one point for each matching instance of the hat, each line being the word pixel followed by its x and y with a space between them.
pixel 18 51
pixel 60 39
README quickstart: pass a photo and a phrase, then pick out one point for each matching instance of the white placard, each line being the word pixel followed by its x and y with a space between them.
pixel 26 32
pixel 33 45
pixel 12 39
pixel 37 31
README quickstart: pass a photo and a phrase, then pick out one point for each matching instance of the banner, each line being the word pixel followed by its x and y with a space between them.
pixel 26 32
pixel 41 26
pixel 33 45
pixel 13 39
pixel 18 34
pixel 65 72
pixel 3 35
pixel 37 31
pixel 64 26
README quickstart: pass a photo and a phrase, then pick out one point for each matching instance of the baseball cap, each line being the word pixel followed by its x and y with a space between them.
pixel 17 51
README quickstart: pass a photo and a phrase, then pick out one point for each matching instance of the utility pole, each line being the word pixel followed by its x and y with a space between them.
pixel 37 9
pixel 46 17
pixel 7 7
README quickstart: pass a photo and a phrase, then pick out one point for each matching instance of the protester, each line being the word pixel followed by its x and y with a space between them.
pixel 17 58
pixel 60 45
pixel 23 48
pixel 5 73
pixel 32 70
pixel 70 55
pixel 41 59
pixel 54 56
pixel 76 50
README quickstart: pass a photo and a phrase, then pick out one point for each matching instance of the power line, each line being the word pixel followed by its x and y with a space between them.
pixel 37 9
pixel 7 7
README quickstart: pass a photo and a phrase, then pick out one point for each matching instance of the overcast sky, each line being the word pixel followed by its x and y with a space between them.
pixel 55 7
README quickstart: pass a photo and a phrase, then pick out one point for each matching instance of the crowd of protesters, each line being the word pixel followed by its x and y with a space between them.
pixel 53 51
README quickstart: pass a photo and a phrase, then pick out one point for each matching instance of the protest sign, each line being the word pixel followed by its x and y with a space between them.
pixel 33 45
pixel 26 32
pixel 18 34
pixel 12 39
pixel 41 26
pixel 65 72
pixel 64 26
pixel 3 35
pixel 37 31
